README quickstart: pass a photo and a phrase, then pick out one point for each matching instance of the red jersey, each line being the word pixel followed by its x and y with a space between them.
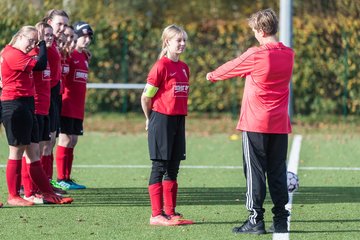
pixel 16 74
pixel 172 80
pixel 65 68
pixel 54 58
pixel 42 90
pixel 73 98
pixel 268 71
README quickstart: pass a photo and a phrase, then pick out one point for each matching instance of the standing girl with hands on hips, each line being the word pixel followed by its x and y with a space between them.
pixel 164 102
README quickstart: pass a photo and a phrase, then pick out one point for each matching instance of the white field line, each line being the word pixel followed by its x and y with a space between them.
pixel 331 168
pixel 204 167
pixel 293 164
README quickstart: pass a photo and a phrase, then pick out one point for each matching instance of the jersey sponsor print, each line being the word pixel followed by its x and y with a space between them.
pixel 181 89
pixel 73 98
pixel 80 76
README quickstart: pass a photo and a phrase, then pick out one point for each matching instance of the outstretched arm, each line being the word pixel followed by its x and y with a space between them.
pixel 238 67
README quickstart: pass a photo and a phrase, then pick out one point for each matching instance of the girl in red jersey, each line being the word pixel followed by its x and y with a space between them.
pixel 71 38
pixel 73 106
pixel 164 102
pixel 19 120
pixel 42 103
pixel 58 20
pixel 65 42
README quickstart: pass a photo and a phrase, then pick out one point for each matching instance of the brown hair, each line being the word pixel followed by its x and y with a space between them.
pixel 168 33
pixel 264 20
pixel 54 12
pixel 42 25
pixel 23 31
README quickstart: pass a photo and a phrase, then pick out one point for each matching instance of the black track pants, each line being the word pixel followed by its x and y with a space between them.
pixel 264 155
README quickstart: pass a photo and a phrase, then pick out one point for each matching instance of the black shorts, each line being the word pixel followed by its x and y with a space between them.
pixel 71 126
pixel 166 137
pixel 44 127
pixel 19 121
pixel 55 108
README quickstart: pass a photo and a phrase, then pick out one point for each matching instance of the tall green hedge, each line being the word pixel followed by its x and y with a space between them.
pixel 325 39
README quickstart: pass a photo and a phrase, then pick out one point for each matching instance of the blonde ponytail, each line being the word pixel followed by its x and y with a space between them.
pixel 163 51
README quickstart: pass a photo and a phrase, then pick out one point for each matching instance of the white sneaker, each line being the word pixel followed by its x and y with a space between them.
pixel 37 199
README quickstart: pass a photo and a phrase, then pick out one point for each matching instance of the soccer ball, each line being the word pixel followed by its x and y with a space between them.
pixel 292 182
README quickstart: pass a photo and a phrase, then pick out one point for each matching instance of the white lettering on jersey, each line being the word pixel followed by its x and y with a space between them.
pixel 46 75
pixel 181 89
pixel 65 69
pixel 80 76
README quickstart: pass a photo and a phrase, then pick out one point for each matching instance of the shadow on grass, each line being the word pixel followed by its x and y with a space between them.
pixel 209 196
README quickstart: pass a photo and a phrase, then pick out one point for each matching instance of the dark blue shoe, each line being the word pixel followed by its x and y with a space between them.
pixel 248 227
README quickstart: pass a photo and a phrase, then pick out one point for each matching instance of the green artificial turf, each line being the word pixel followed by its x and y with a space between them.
pixel 115 168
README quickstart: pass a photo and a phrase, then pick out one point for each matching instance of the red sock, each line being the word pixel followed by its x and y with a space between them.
pixel 68 166
pixel 25 178
pixel 13 177
pixel 61 160
pixel 156 192
pixel 170 193
pixel 38 176
pixel 47 164
pixel 51 165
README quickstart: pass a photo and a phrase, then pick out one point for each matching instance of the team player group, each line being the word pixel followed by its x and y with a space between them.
pixel 44 72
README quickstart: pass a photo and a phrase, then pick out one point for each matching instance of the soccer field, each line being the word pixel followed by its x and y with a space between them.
pixel 115 168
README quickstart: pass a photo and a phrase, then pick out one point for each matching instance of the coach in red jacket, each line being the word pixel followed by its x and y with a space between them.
pixel 264 120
